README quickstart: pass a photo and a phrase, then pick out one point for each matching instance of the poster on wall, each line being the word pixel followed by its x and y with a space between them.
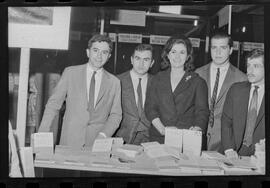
pixel 39 27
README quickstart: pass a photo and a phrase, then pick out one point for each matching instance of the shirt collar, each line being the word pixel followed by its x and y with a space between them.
pixel 224 66
pixel 261 85
pixel 134 75
pixel 89 68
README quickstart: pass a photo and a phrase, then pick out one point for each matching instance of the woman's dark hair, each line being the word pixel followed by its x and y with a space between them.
pixel 179 39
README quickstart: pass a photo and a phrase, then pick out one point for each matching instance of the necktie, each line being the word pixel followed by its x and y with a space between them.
pixel 251 118
pixel 92 91
pixel 213 100
pixel 91 103
pixel 139 103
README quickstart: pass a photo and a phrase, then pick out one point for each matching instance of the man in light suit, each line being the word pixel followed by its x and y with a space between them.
pixel 135 83
pixel 92 95
pixel 243 117
pixel 219 76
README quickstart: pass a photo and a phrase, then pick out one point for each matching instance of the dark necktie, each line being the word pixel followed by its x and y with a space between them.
pixel 139 103
pixel 213 100
pixel 92 91
pixel 251 118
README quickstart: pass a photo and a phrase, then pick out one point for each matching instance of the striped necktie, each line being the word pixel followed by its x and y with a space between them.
pixel 213 100
pixel 139 93
pixel 91 103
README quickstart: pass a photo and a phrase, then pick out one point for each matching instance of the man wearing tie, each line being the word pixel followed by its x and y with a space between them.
pixel 135 83
pixel 92 95
pixel 243 118
pixel 219 75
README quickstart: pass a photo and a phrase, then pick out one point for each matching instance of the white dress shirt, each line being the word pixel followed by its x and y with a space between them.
pixel 135 81
pixel 213 72
pixel 260 95
pixel 98 77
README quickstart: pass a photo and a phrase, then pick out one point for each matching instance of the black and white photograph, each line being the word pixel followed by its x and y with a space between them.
pixel 164 90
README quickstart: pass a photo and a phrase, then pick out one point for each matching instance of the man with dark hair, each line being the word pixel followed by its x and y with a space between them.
pixel 219 74
pixel 135 83
pixel 243 118
pixel 92 95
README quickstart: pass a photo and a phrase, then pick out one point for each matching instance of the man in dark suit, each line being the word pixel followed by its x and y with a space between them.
pixel 219 75
pixel 134 83
pixel 243 118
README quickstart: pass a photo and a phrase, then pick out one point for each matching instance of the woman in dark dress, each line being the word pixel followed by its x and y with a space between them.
pixel 178 96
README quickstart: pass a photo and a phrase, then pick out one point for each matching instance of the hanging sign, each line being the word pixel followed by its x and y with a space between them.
pixel 161 40
pixel 112 37
pixel 158 39
pixel 248 46
pixel 195 42
pixel 223 16
pixel 235 45
pixel 129 38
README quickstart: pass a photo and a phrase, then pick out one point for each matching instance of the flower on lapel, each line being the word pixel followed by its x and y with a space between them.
pixel 188 77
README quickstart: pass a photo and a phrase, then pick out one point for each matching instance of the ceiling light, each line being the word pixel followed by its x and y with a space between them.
pixel 195 22
pixel 244 29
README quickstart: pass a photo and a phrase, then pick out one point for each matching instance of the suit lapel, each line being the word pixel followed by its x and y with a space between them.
pixel 244 95
pixel 183 84
pixel 130 89
pixel 167 89
pixel 105 83
pixel 207 72
pixel 227 83
pixel 261 114
pixel 82 76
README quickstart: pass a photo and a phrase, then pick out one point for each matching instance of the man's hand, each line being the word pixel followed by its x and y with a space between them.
pixel 231 154
pixel 195 128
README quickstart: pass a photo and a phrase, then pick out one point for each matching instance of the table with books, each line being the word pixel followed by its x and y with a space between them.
pixel 151 158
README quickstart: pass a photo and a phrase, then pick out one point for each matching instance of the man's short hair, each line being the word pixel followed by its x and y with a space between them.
pixel 222 35
pixel 255 53
pixel 100 38
pixel 143 47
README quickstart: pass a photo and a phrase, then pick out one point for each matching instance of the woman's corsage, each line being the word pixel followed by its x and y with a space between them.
pixel 188 77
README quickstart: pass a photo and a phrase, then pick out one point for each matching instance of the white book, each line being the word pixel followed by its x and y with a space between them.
pixel 102 145
pixel 42 142
pixel 174 137
pixel 192 142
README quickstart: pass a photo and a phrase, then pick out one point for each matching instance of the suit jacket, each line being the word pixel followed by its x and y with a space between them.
pixel 185 107
pixel 77 122
pixel 133 128
pixel 233 75
pixel 233 121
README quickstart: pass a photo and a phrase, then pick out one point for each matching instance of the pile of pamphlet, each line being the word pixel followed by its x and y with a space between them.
pixel 259 156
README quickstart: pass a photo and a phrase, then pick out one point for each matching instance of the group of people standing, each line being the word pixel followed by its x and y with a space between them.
pixel 217 99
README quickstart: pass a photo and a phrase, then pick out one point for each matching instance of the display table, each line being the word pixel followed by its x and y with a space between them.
pixel 98 165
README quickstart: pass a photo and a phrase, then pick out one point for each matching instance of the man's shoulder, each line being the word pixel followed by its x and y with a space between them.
pixel 75 67
pixel 111 77
pixel 238 74
pixel 202 68
pixel 240 85
pixel 123 75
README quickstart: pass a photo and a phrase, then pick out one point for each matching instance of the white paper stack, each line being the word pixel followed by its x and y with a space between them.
pixel 42 143
pixel 102 145
pixel 130 150
pixel 174 137
pixel 26 154
pixel 192 142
